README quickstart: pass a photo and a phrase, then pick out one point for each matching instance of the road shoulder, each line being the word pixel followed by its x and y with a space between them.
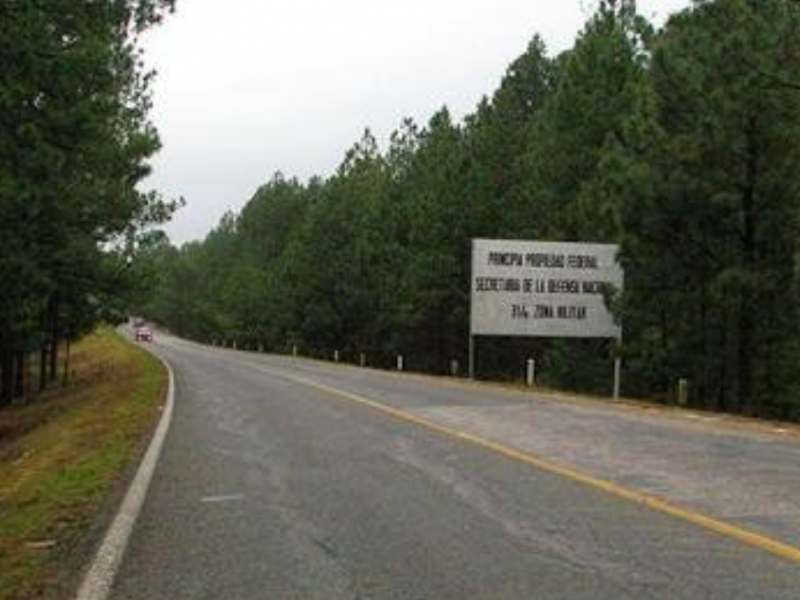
pixel 59 479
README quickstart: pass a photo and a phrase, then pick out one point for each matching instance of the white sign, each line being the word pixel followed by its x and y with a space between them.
pixel 547 289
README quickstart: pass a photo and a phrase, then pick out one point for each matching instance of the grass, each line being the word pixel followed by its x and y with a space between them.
pixel 61 457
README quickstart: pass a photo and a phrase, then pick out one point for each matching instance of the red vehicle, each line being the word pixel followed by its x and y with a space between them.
pixel 143 334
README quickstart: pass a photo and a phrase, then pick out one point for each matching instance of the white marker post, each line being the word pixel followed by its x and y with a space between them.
pixel 530 378
pixel 399 362
pixel 683 393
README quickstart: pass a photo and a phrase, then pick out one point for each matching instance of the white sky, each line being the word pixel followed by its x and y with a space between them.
pixel 248 87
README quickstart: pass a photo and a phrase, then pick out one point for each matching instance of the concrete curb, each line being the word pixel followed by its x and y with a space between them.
pixel 99 578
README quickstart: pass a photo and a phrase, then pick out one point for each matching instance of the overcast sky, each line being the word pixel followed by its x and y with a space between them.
pixel 249 87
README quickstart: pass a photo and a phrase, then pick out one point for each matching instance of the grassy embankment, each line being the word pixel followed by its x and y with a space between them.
pixel 61 457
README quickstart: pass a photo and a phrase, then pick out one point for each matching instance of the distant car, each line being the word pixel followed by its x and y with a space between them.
pixel 143 334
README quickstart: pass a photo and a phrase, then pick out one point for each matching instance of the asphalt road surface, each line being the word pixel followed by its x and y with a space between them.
pixel 292 479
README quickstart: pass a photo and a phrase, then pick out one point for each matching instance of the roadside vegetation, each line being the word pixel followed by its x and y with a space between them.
pixel 75 141
pixel 681 144
pixel 61 457
pixel 74 144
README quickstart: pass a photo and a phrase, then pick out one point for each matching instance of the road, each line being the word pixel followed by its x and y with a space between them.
pixel 289 479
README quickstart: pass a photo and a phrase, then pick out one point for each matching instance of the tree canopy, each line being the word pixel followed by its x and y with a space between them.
pixel 679 143
pixel 74 144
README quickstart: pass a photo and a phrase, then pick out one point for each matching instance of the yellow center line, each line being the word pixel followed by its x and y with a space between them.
pixel 722 528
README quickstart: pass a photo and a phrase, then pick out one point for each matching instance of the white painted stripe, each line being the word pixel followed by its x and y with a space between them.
pixel 99 578
pixel 216 499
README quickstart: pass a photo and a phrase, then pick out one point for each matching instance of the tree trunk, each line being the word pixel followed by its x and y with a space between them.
pixel 704 397
pixel 43 368
pixel 27 368
pixel 6 378
pixel 55 334
pixel 748 299
pixel 19 374
pixel 746 351
pixel 723 401
pixel 65 376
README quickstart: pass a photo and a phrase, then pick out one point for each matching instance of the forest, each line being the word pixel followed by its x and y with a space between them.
pixel 74 144
pixel 680 143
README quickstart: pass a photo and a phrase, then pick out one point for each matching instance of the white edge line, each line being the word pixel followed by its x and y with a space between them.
pixel 99 578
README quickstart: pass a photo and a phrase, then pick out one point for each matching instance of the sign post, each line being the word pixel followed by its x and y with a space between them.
pixel 544 289
pixel 471 356
pixel 471 343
